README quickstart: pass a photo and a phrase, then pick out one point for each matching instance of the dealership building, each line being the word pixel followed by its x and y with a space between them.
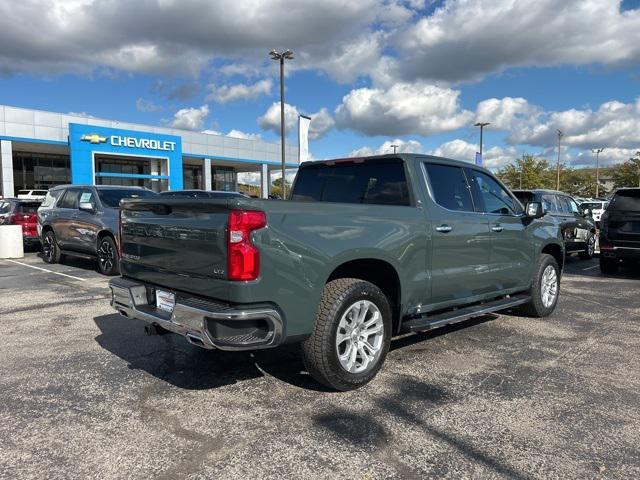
pixel 41 149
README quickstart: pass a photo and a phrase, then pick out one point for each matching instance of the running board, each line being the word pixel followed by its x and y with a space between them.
pixel 71 253
pixel 429 322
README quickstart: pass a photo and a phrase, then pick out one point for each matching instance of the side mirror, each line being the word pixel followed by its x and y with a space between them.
pixel 534 210
pixel 87 206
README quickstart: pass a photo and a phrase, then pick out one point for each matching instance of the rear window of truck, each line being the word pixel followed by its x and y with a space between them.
pixel 627 200
pixel 370 182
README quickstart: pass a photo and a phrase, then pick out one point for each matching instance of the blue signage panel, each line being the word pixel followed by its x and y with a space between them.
pixel 87 140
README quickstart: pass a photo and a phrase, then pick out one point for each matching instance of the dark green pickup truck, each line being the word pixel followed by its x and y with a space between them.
pixel 365 249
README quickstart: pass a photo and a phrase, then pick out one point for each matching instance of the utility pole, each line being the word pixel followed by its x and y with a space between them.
pixel 481 125
pixel 281 57
pixel 597 151
pixel 395 148
pixel 521 170
pixel 560 135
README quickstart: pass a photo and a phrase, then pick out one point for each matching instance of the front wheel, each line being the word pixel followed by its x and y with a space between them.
pixel 545 288
pixel 351 335
pixel 108 256
pixel 590 249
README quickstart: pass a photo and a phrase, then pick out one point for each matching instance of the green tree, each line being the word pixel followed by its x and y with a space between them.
pixel 627 174
pixel 527 172
pixel 276 187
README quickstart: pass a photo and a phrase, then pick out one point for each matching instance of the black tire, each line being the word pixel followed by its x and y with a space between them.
pixel 108 262
pixel 609 266
pixel 590 249
pixel 536 307
pixel 320 351
pixel 50 249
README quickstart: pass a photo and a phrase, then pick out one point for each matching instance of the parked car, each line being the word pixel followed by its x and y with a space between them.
pixel 597 208
pixel 620 230
pixel 365 249
pixel 576 223
pixel 32 194
pixel 21 212
pixel 82 221
pixel 201 194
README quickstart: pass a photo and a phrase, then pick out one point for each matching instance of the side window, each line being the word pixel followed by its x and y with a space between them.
pixel 563 204
pixel 5 207
pixel 549 203
pixel 496 199
pixel 573 206
pixel 51 197
pixel 86 195
pixel 70 199
pixel 449 186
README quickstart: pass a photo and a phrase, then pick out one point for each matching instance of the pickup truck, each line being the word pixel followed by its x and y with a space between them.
pixel 364 249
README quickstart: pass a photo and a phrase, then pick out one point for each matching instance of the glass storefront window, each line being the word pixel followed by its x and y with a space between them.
pixel 192 177
pixel 223 179
pixel 40 170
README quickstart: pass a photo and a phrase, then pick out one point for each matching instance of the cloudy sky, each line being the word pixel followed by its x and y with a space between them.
pixel 370 73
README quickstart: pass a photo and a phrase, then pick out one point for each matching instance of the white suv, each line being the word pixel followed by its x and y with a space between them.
pixel 597 208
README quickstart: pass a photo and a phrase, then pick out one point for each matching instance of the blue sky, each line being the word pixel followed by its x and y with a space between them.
pixel 416 73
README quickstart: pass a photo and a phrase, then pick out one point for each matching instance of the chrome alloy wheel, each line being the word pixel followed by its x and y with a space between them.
pixel 106 256
pixel 47 247
pixel 359 337
pixel 549 286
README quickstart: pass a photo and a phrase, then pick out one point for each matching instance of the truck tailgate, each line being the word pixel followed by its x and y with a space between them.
pixel 181 237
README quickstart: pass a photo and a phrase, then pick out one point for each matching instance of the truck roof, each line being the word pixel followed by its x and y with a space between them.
pixel 403 156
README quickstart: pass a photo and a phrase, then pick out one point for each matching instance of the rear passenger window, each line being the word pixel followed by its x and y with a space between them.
pixel 563 204
pixel 69 200
pixel 5 207
pixel 51 197
pixel 449 187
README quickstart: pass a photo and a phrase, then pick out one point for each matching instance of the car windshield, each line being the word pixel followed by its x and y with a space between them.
pixel 627 200
pixel 111 198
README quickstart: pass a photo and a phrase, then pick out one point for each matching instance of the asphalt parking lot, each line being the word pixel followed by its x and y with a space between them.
pixel 85 394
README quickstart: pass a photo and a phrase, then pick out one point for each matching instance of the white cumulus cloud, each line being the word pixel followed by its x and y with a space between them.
pixel 240 91
pixel 190 118
pixel 402 146
pixel 321 121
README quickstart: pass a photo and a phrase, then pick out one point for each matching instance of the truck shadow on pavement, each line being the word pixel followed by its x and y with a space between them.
pixel 172 359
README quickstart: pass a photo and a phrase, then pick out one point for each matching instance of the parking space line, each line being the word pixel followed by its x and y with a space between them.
pixel 45 270
pixel 590 268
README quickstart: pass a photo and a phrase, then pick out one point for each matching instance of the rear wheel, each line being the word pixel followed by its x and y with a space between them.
pixel 50 248
pixel 351 335
pixel 108 256
pixel 545 288
pixel 609 266
pixel 590 249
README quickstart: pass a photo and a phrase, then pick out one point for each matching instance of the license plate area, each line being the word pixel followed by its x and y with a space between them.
pixel 165 301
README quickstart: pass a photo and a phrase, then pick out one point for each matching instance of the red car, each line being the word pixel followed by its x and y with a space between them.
pixel 15 211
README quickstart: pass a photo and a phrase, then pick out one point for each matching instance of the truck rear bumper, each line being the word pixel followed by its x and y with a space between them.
pixel 204 323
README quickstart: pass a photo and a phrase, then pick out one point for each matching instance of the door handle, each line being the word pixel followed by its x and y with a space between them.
pixel 497 228
pixel 444 229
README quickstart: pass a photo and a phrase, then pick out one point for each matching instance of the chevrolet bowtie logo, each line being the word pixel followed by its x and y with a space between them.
pixel 93 138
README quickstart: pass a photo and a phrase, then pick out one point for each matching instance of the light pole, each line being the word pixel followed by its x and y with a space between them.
pixel 597 151
pixel 282 56
pixel 481 125
pixel 395 148
pixel 560 135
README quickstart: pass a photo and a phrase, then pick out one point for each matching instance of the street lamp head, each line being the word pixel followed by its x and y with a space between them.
pixel 481 124
pixel 288 54
pixel 274 55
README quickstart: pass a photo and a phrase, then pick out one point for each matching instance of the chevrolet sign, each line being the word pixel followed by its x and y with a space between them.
pixel 146 143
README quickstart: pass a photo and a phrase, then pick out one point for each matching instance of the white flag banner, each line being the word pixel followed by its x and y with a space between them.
pixel 303 138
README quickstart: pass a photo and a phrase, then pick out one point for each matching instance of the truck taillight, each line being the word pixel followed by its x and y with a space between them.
pixel 242 256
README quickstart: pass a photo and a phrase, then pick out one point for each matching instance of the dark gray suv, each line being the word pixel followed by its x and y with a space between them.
pixel 82 221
